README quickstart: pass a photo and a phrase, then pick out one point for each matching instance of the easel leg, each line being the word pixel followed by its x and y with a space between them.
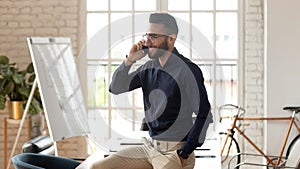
pixel 22 122
pixel 5 142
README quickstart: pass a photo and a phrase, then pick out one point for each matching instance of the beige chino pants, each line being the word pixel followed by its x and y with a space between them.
pixel 152 154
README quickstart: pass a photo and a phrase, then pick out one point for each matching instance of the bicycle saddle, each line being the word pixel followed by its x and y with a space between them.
pixel 291 108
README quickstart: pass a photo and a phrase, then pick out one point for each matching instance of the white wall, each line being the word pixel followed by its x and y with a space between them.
pixel 282 71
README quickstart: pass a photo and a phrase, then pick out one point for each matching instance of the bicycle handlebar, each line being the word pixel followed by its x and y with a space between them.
pixel 240 110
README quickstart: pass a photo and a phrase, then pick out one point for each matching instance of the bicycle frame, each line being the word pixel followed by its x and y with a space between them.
pixel 291 119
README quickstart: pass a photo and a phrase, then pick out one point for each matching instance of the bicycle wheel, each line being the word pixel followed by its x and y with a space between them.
pixel 282 161
pixel 290 154
pixel 231 149
pixel 293 142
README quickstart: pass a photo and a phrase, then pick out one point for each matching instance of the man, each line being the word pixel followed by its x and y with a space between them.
pixel 173 89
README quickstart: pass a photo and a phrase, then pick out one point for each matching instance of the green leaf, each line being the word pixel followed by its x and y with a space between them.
pixel 9 87
pixel 24 91
pixel 30 68
pixel 32 110
pixel 31 78
pixel 23 72
pixel 2 83
pixel 8 72
pixel 18 78
pixel 35 106
pixel 4 60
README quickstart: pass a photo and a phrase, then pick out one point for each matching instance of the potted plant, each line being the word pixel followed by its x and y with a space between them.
pixel 15 86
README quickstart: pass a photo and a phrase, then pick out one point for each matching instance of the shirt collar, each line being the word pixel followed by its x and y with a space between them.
pixel 171 59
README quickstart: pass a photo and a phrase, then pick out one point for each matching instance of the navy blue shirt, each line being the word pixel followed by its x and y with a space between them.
pixel 171 94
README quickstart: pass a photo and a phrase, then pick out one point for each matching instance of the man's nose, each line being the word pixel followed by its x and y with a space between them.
pixel 148 42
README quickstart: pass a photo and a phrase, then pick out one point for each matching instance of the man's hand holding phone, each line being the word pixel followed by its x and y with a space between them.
pixel 137 52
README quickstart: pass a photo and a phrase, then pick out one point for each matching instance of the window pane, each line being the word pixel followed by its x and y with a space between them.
pixel 183 48
pixel 121 49
pixel 141 24
pixel 226 82
pixel 182 16
pixel 183 38
pixel 121 34
pixel 121 5
pixel 99 125
pixel 145 5
pixel 226 30
pixel 97 5
pixel 97 76
pixel 202 41
pixel 97 32
pixel 91 85
pixel 178 5
pixel 115 17
pixel 202 4
pixel 226 4
pixel 203 22
pixel 207 71
pixel 95 22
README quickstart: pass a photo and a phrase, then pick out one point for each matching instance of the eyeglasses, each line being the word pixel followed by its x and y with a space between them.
pixel 152 36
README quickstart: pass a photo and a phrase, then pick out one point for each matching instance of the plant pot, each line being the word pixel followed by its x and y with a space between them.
pixel 15 109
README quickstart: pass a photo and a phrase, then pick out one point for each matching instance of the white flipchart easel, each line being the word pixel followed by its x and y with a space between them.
pixel 58 81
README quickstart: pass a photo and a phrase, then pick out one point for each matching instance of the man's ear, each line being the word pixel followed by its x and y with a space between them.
pixel 172 39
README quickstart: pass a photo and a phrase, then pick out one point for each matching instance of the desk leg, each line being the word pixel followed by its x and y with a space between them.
pixel 5 142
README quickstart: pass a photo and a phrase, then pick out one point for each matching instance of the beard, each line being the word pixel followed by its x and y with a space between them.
pixel 159 51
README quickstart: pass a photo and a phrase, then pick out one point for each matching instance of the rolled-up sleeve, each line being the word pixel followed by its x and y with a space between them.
pixel 123 81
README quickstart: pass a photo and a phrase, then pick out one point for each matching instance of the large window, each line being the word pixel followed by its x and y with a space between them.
pixel 208 35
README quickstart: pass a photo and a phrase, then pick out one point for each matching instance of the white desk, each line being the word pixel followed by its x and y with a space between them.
pixel 208 155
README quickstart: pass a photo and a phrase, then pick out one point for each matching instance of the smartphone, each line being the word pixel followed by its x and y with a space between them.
pixel 145 49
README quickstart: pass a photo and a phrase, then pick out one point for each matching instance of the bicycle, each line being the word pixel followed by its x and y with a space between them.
pixel 235 116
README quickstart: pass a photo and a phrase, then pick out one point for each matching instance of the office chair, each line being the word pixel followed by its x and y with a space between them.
pixel 42 161
pixel 42 144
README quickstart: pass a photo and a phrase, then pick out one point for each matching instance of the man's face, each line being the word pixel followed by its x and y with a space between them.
pixel 157 40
